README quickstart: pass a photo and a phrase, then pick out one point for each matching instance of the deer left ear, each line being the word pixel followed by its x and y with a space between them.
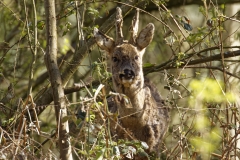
pixel 145 36
pixel 103 41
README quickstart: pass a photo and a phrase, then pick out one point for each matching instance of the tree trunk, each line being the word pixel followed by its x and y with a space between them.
pixel 56 81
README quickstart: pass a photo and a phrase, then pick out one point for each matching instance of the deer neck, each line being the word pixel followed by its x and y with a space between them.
pixel 135 93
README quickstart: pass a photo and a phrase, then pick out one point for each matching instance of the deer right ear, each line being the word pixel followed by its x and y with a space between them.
pixel 145 36
pixel 103 41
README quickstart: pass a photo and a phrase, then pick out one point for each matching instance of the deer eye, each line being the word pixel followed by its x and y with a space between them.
pixel 114 59
pixel 136 57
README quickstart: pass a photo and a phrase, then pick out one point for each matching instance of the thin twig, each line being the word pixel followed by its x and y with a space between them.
pixel 19 136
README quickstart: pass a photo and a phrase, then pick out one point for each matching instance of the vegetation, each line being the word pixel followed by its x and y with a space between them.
pixel 54 82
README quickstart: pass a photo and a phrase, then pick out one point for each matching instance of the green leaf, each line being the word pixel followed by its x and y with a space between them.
pixel 202 10
pixel 83 152
pixel 93 11
pixel 116 150
pixel 40 25
pixel 100 154
pixel 64 33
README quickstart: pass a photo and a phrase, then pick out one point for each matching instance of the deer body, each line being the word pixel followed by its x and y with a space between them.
pixel 142 112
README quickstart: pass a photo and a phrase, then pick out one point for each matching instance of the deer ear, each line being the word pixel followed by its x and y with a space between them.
pixel 103 41
pixel 145 36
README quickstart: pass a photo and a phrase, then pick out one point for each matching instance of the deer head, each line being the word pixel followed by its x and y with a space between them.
pixel 126 56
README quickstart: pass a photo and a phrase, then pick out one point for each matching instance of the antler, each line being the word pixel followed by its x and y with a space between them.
pixel 134 28
pixel 118 24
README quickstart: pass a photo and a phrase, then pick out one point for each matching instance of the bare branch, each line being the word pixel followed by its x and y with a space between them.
pixel 216 57
pixel 171 63
pixel 33 48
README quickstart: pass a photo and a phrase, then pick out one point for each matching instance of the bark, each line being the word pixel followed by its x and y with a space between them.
pixel 56 81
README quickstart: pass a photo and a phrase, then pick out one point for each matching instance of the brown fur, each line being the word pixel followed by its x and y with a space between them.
pixel 139 105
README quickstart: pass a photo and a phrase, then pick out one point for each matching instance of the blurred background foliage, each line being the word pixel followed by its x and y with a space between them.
pixel 185 61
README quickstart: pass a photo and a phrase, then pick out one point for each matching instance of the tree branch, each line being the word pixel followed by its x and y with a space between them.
pixel 171 63
pixel 56 81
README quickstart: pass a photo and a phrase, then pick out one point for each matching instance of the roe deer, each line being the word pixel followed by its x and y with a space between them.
pixel 144 115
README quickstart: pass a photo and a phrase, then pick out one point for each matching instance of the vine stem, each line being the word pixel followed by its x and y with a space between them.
pixel 225 130
pixel 33 47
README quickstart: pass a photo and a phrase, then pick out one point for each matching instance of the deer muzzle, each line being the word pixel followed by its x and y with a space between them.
pixel 127 76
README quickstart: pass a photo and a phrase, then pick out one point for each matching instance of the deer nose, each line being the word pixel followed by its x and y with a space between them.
pixel 127 74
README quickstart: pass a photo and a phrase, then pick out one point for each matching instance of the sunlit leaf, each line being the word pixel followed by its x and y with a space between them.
pixel 144 145
pixel 201 122
pixel 116 150
pixel 100 154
